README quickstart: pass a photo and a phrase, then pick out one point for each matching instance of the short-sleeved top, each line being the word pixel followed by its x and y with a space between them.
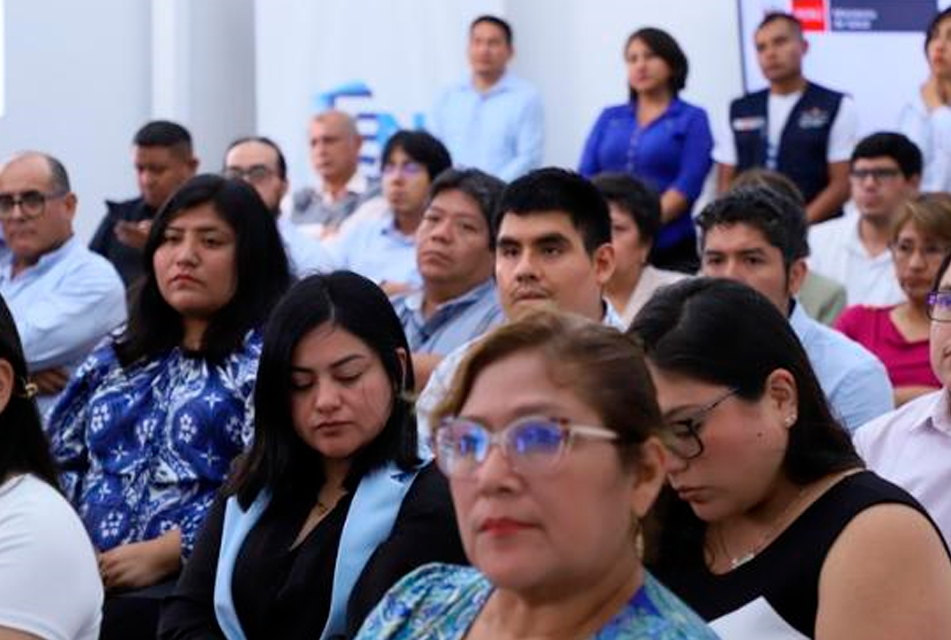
pixel 908 362
pixel 931 131
pixel 49 581
pixel 144 448
pixel 442 601
pixel 775 595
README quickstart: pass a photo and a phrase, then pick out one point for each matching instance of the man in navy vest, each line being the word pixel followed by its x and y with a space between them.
pixel 796 127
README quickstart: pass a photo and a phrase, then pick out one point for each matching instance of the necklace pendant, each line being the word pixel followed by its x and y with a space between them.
pixel 741 560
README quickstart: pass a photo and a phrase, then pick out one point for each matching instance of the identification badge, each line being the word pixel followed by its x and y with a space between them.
pixel 751 123
pixel 814 118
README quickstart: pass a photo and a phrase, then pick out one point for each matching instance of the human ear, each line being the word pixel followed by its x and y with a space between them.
pixel 7 381
pixel 783 393
pixel 604 262
pixel 649 475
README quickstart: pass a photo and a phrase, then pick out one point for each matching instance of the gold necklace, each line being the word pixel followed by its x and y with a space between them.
pixel 766 538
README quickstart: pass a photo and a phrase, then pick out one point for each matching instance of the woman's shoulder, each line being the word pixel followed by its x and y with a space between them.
pixel 655 612
pixel 617 111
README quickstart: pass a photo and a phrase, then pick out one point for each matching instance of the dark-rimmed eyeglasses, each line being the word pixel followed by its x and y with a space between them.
pixel 905 249
pixel 32 203
pixel 533 445
pixel 682 435
pixel 939 306
pixel 254 174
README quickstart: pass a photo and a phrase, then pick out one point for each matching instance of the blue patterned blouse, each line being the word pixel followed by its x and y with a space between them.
pixel 440 602
pixel 143 450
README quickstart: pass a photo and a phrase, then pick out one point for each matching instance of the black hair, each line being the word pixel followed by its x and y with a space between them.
pixel 552 189
pixel 261 270
pixel 278 460
pixel 499 22
pixel 421 147
pixel 666 48
pixel 483 188
pixel 726 333
pixel 945 263
pixel 777 16
pixel 281 162
pixel 896 146
pixel 23 444
pixel 772 180
pixel 781 221
pixel 165 133
pixel 932 32
pixel 635 198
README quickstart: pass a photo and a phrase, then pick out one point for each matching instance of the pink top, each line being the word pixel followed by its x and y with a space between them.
pixel 908 363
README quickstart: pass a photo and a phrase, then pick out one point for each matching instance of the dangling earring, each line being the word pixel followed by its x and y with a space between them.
pixel 29 389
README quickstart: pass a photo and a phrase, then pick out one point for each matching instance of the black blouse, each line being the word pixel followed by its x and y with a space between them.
pixel 283 592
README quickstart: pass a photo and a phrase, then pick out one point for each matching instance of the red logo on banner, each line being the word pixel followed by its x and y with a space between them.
pixel 812 14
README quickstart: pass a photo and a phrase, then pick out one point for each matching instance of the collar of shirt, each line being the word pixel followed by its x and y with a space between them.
pixel 389 229
pixel 45 262
pixel 673 110
pixel 939 417
pixel 852 241
pixel 506 83
pixel 414 301
pixel 357 184
pixel 611 317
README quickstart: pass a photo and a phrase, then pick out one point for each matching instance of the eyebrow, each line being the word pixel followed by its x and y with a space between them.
pixel 333 365
pixel 545 409
pixel 203 229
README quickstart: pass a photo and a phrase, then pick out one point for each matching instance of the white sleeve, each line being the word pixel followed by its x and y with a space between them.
pixel 844 132
pixel 724 146
pixel 49 583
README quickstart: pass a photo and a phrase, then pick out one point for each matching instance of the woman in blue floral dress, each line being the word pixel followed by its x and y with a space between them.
pixel 146 431
pixel 547 438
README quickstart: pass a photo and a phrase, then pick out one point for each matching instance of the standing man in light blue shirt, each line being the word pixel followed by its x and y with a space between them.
pixel 455 254
pixel 757 237
pixel 64 298
pixel 492 121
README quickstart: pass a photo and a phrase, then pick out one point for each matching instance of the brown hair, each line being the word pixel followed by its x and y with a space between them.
pixel 930 213
pixel 604 367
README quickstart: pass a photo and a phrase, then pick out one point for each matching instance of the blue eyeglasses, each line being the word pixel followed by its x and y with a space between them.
pixel 533 445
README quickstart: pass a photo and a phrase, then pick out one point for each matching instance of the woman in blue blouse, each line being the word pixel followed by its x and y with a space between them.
pixel 658 138
pixel 146 430
pixel 547 440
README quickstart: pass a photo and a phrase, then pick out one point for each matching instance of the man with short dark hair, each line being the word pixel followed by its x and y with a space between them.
pixel 335 145
pixel 758 237
pixel 796 127
pixel 259 161
pixel 885 171
pixel 492 120
pixel 552 250
pixel 455 257
pixel 164 160
pixel 64 298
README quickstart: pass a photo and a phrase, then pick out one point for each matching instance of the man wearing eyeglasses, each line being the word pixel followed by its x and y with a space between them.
pixel 64 298
pixel 259 161
pixel 885 171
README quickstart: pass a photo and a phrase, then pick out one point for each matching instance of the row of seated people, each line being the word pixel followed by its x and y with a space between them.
pixel 147 429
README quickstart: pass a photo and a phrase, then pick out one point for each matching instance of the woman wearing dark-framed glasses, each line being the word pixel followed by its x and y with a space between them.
pixel 771 527
pixel 547 438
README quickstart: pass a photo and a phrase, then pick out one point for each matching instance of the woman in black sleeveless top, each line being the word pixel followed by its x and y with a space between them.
pixel 771 529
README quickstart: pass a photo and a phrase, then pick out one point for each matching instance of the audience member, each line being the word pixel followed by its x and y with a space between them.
pixel 332 505
pixel 49 584
pixel 63 297
pixel 146 431
pixel 492 120
pixel 912 445
pixel 795 126
pixel 821 297
pixel 163 159
pixel 551 519
pixel 659 138
pixel 770 528
pixel 259 161
pixel 455 250
pixel 335 146
pixel 635 220
pixel 552 250
pixel 758 237
pixel 383 249
pixel 885 172
pixel 898 335
pixel 927 118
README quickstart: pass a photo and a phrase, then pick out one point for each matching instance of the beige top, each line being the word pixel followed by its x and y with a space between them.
pixel 650 281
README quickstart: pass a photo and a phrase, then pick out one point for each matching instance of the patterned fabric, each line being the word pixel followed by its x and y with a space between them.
pixel 143 450
pixel 440 602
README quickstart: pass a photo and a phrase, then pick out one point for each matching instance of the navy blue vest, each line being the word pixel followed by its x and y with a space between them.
pixel 803 144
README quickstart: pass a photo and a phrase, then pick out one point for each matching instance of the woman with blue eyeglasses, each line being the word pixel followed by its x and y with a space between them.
pixel 547 438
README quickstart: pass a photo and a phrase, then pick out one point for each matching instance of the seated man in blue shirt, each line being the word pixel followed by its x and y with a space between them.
pixel 758 237
pixel 454 253
pixel 492 120
pixel 383 248
pixel 63 297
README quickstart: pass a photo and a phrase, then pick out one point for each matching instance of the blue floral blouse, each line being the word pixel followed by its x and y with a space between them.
pixel 144 450
pixel 440 602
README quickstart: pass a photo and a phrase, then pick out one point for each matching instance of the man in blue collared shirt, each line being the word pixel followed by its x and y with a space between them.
pixel 64 298
pixel 455 256
pixel 492 121
pixel 757 237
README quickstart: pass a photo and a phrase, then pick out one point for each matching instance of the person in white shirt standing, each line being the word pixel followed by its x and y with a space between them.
pixel 885 172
